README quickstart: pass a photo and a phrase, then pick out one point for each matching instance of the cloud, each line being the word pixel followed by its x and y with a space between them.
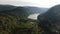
pixel 39 3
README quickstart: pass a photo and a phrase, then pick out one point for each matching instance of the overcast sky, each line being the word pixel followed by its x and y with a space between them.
pixel 39 3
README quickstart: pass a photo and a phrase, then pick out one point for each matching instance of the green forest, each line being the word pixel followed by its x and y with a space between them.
pixel 14 24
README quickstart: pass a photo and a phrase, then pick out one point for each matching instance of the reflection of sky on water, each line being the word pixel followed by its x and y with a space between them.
pixel 33 16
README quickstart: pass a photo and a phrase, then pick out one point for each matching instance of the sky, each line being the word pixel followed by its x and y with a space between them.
pixel 38 3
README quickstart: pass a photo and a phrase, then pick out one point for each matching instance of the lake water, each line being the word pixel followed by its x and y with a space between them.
pixel 33 16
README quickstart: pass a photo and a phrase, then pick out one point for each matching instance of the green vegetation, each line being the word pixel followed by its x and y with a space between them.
pixel 14 24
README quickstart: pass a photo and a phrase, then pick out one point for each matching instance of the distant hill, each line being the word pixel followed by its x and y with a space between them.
pixel 26 10
pixel 32 10
pixel 6 7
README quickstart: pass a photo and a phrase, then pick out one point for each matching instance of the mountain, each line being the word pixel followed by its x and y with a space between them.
pixel 28 9
pixel 7 7
pixel 10 16
pixel 25 10
pixel 50 20
pixel 32 10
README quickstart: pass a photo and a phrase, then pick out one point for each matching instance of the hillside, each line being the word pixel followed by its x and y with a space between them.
pixel 14 20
